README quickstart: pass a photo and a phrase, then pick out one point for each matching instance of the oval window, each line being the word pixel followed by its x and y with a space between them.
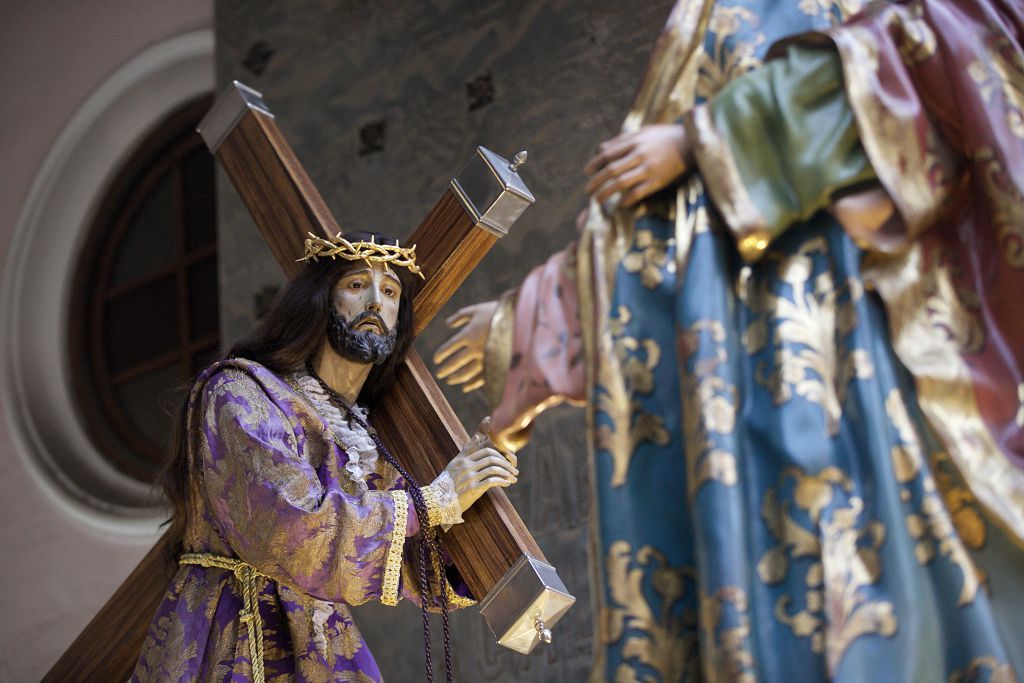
pixel 144 306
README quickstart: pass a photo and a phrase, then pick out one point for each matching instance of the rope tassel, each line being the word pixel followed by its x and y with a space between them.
pixel 250 582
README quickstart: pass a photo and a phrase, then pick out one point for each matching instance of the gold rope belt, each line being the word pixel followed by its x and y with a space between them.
pixel 250 580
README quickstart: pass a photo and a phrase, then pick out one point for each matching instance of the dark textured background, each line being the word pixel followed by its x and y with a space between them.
pixel 384 102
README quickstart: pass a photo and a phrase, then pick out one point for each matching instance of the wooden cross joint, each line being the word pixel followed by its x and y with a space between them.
pixel 492 549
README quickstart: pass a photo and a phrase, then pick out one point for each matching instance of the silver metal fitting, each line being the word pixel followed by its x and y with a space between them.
pixel 524 605
pixel 229 108
pixel 491 191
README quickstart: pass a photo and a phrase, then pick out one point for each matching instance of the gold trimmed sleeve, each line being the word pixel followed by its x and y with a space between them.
pixel 393 563
pixel 454 599
pixel 430 498
pixel 498 348
pixel 777 145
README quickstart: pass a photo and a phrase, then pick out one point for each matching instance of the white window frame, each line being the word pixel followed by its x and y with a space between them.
pixel 35 379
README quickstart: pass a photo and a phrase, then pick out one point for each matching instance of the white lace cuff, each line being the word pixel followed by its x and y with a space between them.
pixel 442 502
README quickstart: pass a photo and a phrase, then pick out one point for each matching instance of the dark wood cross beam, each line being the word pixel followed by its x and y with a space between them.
pixel 521 595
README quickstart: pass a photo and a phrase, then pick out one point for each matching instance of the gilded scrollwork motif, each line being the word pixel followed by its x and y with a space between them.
pixel 709 407
pixel 1003 73
pixel 807 330
pixel 947 521
pixel 725 622
pixel 630 423
pixel 826 528
pixel 914 37
pixel 649 258
pixel 165 653
pixel 728 58
pixel 836 11
pixel 1007 205
pixel 933 325
pixel 655 638
pixel 984 668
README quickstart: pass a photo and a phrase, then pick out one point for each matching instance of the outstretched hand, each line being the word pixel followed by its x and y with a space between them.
pixel 460 360
pixel 479 467
pixel 638 164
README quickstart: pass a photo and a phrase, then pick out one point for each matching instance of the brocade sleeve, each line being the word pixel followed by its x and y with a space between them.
pixel 278 514
pixel 778 144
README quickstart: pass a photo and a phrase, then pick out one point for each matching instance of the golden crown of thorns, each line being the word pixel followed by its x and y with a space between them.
pixel 370 252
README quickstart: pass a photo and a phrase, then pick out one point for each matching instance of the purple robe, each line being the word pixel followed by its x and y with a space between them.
pixel 269 485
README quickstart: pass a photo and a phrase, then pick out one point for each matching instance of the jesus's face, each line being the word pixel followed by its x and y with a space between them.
pixel 366 302
pixel 369 288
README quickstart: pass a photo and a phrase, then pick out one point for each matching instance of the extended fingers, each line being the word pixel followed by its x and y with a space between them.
pixel 456 342
pixel 474 385
pixel 454 362
pixel 466 371
pixel 459 318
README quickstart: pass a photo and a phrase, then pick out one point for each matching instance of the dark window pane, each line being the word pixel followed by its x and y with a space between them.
pixel 140 287
pixel 202 297
pixel 200 206
pixel 148 403
pixel 142 324
pixel 150 241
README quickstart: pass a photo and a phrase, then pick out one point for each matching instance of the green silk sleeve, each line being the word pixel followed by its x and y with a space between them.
pixel 778 144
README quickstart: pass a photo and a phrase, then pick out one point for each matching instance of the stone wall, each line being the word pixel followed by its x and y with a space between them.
pixel 383 103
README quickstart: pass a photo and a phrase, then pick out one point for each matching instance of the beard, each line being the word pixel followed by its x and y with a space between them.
pixel 361 346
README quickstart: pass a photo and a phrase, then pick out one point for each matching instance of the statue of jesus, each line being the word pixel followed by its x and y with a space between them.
pixel 287 507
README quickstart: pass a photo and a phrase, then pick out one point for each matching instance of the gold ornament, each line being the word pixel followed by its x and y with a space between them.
pixel 370 252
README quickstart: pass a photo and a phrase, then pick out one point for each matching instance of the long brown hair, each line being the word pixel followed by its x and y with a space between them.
pixel 289 335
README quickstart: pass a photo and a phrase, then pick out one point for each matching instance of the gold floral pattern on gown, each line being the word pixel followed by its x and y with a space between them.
pixel 649 258
pixel 835 11
pixel 830 542
pixel 807 330
pixel 1002 71
pixel 729 56
pixel 709 408
pixel 726 657
pixel 1007 207
pixel 948 520
pixel 844 549
pixel 980 667
pixel 655 639
pixel 638 359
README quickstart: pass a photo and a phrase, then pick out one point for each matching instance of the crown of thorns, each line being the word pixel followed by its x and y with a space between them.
pixel 370 252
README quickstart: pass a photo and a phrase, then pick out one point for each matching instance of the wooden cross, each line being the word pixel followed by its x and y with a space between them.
pixel 521 595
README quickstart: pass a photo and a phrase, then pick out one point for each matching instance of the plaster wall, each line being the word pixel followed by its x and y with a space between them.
pixel 53 54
